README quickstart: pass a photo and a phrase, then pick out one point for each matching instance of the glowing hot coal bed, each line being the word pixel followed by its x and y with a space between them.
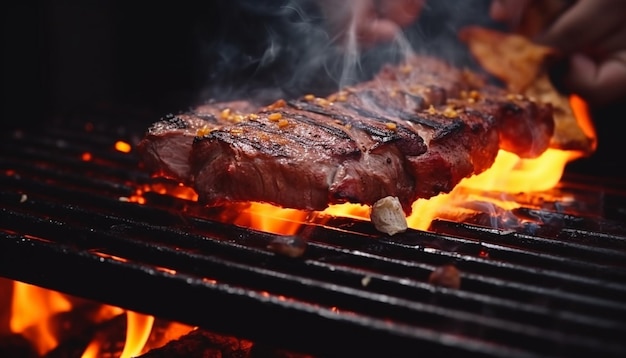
pixel 99 257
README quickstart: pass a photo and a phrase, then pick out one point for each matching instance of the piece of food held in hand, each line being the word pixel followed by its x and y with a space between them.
pixel 413 131
pixel 522 66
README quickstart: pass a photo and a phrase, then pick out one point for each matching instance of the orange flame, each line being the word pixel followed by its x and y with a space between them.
pixel 270 218
pixel 137 332
pixel 31 309
pixel 583 117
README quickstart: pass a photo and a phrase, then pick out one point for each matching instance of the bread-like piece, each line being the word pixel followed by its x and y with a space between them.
pixel 521 65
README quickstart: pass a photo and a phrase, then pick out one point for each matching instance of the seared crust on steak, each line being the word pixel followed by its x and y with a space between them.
pixel 167 144
pixel 414 131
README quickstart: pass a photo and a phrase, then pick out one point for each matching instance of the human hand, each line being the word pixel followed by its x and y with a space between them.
pixel 369 22
pixel 591 34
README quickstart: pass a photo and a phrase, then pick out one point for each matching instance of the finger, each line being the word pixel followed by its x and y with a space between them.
pixel 376 31
pixel 583 24
pixel 508 11
pixel 612 44
pixel 402 12
pixel 598 83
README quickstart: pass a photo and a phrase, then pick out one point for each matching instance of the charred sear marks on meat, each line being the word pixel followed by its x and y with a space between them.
pixel 414 131
pixel 168 122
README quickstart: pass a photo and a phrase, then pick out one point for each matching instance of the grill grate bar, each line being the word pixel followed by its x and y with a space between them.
pixel 403 255
pixel 473 264
pixel 396 309
pixel 348 334
pixel 147 249
pixel 554 286
pixel 570 250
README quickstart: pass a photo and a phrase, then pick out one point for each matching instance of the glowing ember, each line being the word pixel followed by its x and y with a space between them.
pixel 122 146
pixel 86 156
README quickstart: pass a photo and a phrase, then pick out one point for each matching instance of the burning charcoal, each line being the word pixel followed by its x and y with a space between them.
pixel 388 217
pixel 75 329
pixel 446 276
pixel 201 343
pixel 292 246
pixel 16 345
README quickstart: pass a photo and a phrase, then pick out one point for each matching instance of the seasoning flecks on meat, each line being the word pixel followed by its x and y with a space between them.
pixel 166 147
pixel 414 131
pixel 292 158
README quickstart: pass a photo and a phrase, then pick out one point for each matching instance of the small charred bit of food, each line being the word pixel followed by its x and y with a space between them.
pixel 414 131
pixel 445 276
pixel 388 217
pixel 291 246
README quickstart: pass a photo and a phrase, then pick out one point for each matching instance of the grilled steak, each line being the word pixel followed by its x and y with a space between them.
pixel 166 146
pixel 414 131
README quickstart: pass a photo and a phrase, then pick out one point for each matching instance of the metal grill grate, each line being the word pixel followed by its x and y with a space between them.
pixel 553 286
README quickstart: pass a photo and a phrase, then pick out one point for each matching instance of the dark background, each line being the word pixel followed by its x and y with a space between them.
pixel 150 58
pixel 66 55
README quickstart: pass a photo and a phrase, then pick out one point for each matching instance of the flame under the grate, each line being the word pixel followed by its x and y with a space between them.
pixel 509 174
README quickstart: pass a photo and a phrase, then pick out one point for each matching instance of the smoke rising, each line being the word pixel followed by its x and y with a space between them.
pixel 266 49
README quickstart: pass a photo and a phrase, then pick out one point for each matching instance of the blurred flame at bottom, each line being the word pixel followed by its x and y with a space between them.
pixel 137 332
pixel 30 309
pixel 138 329
pixel 33 309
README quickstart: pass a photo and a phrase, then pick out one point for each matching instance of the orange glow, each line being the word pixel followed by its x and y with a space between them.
pixel 270 218
pixel 105 313
pixel 122 146
pixel 86 156
pixel 113 257
pixel 176 190
pixel 166 270
pixel 509 174
pixel 92 350
pixel 31 309
pixel 512 174
pixel 138 330
pixel 349 210
pixel 583 117
pixel 174 330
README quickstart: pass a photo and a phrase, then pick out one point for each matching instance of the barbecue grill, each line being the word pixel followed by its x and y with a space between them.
pixel 553 284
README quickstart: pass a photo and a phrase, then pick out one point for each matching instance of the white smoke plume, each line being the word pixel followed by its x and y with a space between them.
pixel 269 49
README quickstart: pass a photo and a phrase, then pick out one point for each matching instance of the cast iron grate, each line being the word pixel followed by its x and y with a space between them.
pixel 553 286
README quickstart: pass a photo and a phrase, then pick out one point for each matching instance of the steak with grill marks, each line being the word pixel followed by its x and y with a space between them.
pixel 166 147
pixel 413 131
